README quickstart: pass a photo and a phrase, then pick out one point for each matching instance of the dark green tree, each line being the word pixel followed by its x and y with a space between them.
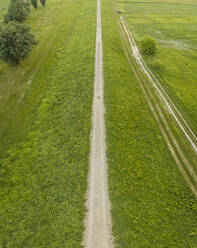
pixel 148 46
pixel 18 11
pixel 34 3
pixel 43 2
pixel 16 42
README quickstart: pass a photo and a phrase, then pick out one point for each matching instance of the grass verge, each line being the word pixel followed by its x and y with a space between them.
pixel 44 170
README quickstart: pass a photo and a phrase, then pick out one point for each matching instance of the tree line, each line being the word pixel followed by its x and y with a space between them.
pixel 16 39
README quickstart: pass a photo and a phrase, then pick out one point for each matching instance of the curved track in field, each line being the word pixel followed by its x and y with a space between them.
pixel 181 140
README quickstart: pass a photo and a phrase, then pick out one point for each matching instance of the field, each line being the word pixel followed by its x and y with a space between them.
pixel 152 206
pixel 45 110
pixel 45 126
pixel 174 25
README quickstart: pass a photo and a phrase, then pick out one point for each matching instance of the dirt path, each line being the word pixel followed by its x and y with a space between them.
pixel 98 222
pixel 156 95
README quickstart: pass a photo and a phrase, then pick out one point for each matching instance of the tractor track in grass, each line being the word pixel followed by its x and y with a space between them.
pixel 174 128
pixel 98 219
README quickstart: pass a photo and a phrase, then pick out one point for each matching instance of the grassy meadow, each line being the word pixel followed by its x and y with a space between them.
pixel 174 25
pixel 152 206
pixel 45 122
pixel 45 117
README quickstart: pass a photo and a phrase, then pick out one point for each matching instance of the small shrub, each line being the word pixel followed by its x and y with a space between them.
pixel 16 42
pixel 148 46
pixel 43 2
pixel 34 3
pixel 18 11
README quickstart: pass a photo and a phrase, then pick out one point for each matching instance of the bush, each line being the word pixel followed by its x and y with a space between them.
pixel 148 46
pixel 43 2
pixel 34 3
pixel 18 11
pixel 16 42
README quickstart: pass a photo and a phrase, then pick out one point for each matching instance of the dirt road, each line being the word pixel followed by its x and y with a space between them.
pixel 98 222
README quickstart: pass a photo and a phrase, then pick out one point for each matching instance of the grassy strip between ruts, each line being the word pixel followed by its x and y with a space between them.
pixel 45 175
pixel 151 204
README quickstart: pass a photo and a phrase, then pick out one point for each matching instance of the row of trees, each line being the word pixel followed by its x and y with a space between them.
pixel 19 10
pixel 16 39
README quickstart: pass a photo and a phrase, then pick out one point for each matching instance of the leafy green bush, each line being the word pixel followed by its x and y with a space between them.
pixel 16 42
pixel 34 3
pixel 43 2
pixel 18 11
pixel 148 46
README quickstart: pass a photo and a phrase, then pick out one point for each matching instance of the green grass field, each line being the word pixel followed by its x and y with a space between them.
pixel 152 206
pixel 174 25
pixel 45 122
pixel 45 111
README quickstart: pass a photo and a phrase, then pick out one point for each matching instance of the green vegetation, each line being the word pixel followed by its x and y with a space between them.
pixel 152 206
pixel 43 2
pixel 45 119
pixel 3 7
pixel 18 11
pixel 16 42
pixel 34 3
pixel 173 24
pixel 159 6
pixel 45 113
pixel 148 46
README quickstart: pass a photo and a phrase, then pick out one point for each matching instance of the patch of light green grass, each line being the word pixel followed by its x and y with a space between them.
pixel 192 2
pixel 3 7
pixel 156 7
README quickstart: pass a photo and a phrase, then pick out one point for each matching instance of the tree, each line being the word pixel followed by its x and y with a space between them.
pixel 34 3
pixel 16 42
pixel 18 11
pixel 148 46
pixel 43 2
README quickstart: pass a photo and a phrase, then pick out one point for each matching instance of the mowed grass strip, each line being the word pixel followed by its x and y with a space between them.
pixel 44 176
pixel 152 206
